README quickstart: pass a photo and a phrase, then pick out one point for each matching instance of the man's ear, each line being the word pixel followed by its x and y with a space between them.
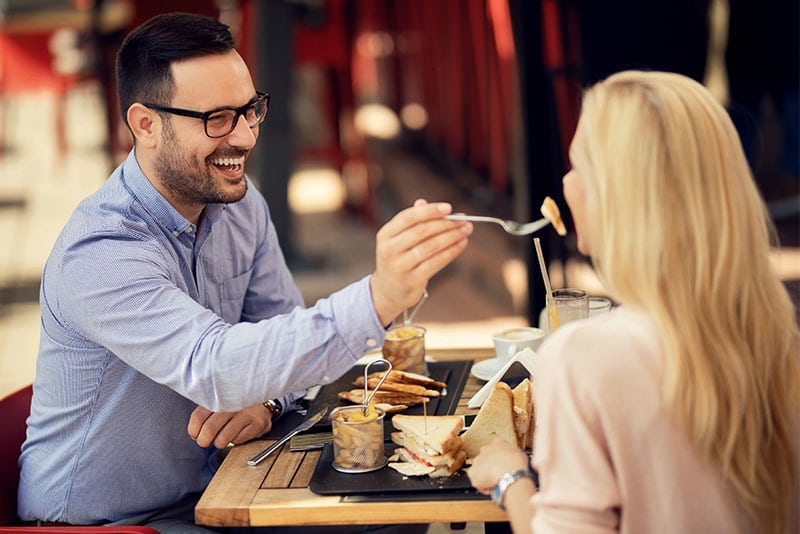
pixel 145 125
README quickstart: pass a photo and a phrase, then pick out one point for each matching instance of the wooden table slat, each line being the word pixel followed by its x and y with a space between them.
pixel 304 473
pixel 282 472
pixel 285 507
pixel 228 497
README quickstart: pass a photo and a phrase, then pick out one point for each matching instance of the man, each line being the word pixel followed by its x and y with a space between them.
pixel 166 298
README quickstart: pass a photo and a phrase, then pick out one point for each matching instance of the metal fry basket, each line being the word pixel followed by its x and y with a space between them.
pixel 357 445
pixel 357 436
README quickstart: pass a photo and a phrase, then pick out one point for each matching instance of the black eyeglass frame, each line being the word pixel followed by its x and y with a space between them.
pixel 204 115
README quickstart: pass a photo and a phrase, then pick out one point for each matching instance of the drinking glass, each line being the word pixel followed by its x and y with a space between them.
pixel 567 305
pixel 405 348
pixel 599 305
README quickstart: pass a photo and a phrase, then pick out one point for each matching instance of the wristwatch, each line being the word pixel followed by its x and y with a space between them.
pixel 274 407
pixel 499 491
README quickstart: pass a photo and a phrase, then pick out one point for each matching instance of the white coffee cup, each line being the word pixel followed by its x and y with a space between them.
pixel 510 341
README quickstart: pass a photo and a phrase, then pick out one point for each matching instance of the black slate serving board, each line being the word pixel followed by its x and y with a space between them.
pixel 388 484
pixel 454 374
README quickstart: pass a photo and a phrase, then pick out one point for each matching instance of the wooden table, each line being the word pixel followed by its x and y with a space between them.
pixel 276 492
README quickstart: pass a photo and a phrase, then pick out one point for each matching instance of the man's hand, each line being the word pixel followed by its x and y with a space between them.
pixel 409 250
pixel 221 428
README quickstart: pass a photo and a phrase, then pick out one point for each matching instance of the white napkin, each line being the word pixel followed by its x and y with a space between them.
pixel 526 357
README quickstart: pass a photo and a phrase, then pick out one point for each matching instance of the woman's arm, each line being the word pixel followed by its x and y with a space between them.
pixel 495 460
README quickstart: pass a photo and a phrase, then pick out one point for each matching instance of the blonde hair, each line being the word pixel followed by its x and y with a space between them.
pixel 679 230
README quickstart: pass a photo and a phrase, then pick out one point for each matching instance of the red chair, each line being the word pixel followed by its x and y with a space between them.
pixel 14 411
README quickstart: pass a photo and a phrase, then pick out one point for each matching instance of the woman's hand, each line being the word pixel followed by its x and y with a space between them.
pixel 495 459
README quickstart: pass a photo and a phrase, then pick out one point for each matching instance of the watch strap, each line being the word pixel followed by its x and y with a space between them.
pixel 274 407
pixel 499 491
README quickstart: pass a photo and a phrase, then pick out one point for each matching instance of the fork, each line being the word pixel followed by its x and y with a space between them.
pixel 512 227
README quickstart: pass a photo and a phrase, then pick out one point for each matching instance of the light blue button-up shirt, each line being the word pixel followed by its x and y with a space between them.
pixel 144 317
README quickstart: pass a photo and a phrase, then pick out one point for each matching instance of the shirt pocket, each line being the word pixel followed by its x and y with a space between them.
pixel 232 294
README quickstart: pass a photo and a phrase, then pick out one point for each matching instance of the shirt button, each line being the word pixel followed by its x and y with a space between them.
pixel 189 230
pixel 371 342
pixel 175 233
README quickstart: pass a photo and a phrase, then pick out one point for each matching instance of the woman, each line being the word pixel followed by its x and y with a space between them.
pixel 679 411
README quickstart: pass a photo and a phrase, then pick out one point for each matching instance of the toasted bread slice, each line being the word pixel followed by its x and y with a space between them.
pixel 441 460
pixel 448 470
pixel 404 377
pixel 412 469
pixel 391 408
pixel 356 396
pixel 523 413
pixel 550 210
pixel 495 419
pixel 413 389
pixel 414 466
pixel 434 434
pixel 412 448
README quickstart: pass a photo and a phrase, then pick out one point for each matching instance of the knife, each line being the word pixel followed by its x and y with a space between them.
pixel 305 425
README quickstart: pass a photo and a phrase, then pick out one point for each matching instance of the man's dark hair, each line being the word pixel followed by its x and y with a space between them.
pixel 146 54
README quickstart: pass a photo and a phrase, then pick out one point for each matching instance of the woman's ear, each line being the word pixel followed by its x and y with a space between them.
pixel 145 125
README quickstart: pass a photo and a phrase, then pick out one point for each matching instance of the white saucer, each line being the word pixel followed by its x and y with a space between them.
pixel 486 369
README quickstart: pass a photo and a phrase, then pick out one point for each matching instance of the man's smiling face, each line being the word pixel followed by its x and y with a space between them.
pixel 192 168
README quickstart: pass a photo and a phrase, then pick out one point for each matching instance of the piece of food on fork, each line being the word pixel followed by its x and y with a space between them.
pixel 550 210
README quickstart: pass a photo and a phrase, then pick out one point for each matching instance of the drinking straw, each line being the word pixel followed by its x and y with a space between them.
pixel 549 302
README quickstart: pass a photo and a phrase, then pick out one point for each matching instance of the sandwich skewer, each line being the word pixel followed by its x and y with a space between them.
pixel 425 416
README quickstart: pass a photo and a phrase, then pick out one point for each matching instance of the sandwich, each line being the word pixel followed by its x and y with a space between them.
pixel 429 445
pixel 495 419
pixel 550 210
pixel 523 414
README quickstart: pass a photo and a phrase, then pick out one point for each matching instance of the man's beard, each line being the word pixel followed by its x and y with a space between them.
pixel 187 181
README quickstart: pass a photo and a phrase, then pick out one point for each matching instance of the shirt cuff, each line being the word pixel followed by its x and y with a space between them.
pixel 355 317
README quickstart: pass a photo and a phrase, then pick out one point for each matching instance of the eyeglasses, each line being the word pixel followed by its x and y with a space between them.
pixel 222 121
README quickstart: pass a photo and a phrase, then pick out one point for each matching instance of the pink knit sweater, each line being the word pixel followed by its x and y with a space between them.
pixel 609 458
